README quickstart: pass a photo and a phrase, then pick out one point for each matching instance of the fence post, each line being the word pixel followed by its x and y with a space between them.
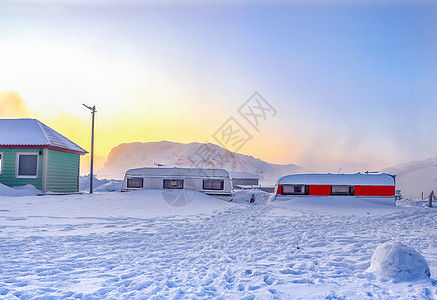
pixel 430 198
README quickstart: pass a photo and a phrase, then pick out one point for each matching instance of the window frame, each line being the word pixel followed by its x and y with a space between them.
pixel 135 178
pixel 2 157
pixel 17 164
pixel 304 189
pixel 349 193
pixel 171 187
pixel 222 184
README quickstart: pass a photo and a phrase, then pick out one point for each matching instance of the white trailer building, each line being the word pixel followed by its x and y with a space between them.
pixel 214 182
pixel 244 179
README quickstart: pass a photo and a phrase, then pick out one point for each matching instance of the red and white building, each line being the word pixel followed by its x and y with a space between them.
pixel 373 186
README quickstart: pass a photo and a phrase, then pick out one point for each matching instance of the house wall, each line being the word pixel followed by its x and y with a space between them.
pixel 62 172
pixel 8 175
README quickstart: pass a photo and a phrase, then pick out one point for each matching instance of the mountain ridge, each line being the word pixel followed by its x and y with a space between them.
pixel 203 155
pixel 415 177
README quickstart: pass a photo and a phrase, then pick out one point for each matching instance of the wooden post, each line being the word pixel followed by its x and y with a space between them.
pixel 430 198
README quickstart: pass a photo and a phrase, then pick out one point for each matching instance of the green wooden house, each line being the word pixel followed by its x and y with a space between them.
pixel 33 153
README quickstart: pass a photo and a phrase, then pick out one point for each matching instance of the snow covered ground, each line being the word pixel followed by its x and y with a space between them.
pixel 137 245
pixel 99 185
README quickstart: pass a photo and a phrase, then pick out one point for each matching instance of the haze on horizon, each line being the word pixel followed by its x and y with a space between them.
pixel 352 85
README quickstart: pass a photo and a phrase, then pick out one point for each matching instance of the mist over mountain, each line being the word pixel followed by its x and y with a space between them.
pixel 415 177
pixel 171 154
pixel 412 178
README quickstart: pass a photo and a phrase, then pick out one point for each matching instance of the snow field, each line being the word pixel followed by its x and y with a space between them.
pixel 135 245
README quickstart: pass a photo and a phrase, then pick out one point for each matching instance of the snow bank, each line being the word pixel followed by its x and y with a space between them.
pixel 341 205
pixel 18 191
pixel 398 263
pixel 136 204
pixel 243 196
pixel 99 185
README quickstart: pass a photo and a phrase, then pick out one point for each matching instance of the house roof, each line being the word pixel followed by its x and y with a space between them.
pixel 30 133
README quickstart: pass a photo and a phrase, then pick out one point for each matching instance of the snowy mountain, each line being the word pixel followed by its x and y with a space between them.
pixel 170 154
pixel 416 177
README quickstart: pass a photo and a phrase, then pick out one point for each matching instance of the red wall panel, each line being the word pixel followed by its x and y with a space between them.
pixel 320 190
pixel 363 190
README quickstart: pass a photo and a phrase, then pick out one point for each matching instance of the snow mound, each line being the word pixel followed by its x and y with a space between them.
pixel 99 185
pixel 19 191
pixel 337 205
pixel 398 263
pixel 109 186
pixel 156 203
pixel 243 196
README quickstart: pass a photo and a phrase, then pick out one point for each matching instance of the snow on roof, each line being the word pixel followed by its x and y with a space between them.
pixel 339 179
pixel 31 132
pixel 243 175
pixel 178 172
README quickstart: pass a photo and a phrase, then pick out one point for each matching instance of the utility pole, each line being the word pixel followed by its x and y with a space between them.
pixel 93 111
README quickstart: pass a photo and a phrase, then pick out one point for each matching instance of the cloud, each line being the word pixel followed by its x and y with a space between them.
pixel 12 105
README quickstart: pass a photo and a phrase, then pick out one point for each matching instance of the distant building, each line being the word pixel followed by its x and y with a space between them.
pixel 244 179
pixel 33 153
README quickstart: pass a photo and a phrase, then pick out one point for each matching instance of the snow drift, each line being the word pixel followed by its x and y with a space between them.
pixel 19 191
pixel 99 185
pixel 398 263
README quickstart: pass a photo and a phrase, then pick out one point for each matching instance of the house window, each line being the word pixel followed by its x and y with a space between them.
pixel 341 190
pixel 135 182
pixel 173 183
pixel 27 165
pixel 1 162
pixel 213 184
pixel 293 190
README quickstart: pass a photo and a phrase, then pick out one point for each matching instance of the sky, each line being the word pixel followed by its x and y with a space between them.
pixel 341 85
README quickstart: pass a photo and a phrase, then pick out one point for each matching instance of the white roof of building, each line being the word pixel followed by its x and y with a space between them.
pixel 243 175
pixel 193 172
pixel 338 179
pixel 31 132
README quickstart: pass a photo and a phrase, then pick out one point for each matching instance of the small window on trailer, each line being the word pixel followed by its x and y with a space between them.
pixel 135 182
pixel 213 184
pixel 173 183
pixel 294 189
pixel 27 165
pixel 1 162
pixel 342 190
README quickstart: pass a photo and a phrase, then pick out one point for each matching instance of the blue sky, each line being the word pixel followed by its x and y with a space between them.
pixel 354 85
